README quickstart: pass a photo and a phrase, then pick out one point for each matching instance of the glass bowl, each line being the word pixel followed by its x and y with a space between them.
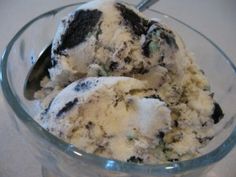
pixel 60 159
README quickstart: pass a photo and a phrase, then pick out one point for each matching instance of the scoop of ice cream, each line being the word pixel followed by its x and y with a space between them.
pixel 110 116
pixel 103 38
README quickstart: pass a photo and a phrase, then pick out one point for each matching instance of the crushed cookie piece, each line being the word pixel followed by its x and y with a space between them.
pixel 68 106
pixel 217 113
pixel 135 159
pixel 113 65
pixel 84 85
pixel 89 125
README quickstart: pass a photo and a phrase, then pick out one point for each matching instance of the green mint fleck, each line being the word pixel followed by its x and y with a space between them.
pixel 154 47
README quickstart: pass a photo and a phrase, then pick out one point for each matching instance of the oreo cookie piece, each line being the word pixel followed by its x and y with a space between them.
pixel 204 140
pixel 68 106
pixel 146 50
pixel 84 22
pixel 113 65
pixel 173 160
pixel 154 96
pixel 169 38
pixel 47 108
pixel 84 85
pixel 138 24
pixel 160 135
pixel 135 159
pixel 217 113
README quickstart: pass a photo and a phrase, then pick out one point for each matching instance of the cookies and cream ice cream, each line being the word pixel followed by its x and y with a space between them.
pixel 123 86
pixel 109 116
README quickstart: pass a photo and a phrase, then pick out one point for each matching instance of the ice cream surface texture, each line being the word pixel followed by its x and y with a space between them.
pixel 124 87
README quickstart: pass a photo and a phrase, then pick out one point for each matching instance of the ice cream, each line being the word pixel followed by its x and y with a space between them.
pixel 109 116
pixel 124 87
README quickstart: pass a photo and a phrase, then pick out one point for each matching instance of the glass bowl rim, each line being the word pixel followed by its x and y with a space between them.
pixel 105 163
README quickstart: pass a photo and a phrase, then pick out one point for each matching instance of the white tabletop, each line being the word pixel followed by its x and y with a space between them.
pixel 214 18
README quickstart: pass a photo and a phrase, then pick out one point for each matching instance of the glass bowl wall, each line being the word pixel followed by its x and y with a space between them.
pixel 64 160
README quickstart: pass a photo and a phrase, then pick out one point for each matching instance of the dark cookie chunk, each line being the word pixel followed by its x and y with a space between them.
pixel 127 60
pixel 113 65
pixel 176 123
pixel 146 50
pixel 154 96
pixel 84 85
pixel 68 106
pixel 173 160
pixel 204 140
pixel 202 71
pixel 84 22
pixel 135 159
pixel 99 30
pixel 169 38
pixel 47 109
pixel 217 114
pixel 89 125
pixel 138 24
pixel 160 135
